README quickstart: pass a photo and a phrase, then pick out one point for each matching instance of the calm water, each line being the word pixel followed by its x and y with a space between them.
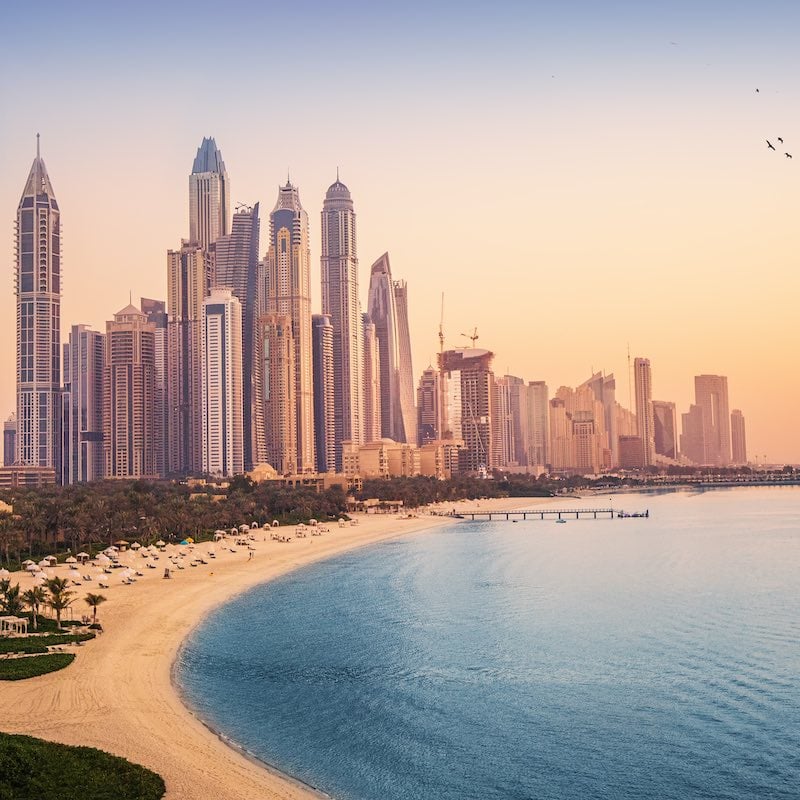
pixel 614 659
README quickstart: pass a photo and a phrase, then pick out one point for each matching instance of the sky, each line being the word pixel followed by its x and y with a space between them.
pixel 578 178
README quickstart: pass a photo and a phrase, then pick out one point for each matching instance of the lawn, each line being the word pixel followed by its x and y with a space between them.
pixel 17 669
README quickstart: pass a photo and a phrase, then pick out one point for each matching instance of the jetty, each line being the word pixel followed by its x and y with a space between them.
pixel 542 514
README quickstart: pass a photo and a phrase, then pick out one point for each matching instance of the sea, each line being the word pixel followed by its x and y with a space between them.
pixel 620 659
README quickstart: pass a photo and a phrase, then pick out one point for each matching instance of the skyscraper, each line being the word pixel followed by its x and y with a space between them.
pixel 428 407
pixel 277 351
pixel 339 264
pixel 156 313
pixel 38 292
pixel 221 362
pixel 406 371
pixel 711 395
pixel 324 417
pixel 209 196
pixel 738 439
pixel 129 445
pixel 10 441
pixel 82 406
pixel 538 425
pixel 692 441
pixel 665 429
pixel 503 423
pixel 382 309
pixel 644 408
pixel 237 268
pixel 288 292
pixel 186 289
pixel 372 382
pixel 604 388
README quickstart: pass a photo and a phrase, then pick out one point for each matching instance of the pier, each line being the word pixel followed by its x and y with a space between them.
pixel 542 513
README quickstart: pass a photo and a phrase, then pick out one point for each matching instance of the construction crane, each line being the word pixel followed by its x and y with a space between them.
pixel 441 328
pixel 473 337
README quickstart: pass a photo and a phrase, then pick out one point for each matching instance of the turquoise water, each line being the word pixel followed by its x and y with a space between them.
pixel 615 659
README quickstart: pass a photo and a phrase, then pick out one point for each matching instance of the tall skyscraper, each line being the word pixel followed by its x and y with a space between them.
pixel 277 351
pixel 644 408
pixel 406 371
pixel 393 342
pixel 186 290
pixel 469 406
pixel 665 429
pixel 156 313
pixel 604 390
pixel 738 439
pixel 538 424
pixel 711 395
pixel 82 406
pixel 340 301
pixel 237 268
pixel 692 440
pixel 38 293
pixel 428 407
pixel 372 382
pixel 209 196
pixel 324 417
pixel 10 441
pixel 288 292
pixel 221 362
pixel 129 445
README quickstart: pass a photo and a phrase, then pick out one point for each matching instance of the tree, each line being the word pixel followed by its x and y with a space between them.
pixel 60 597
pixel 12 602
pixel 34 598
pixel 94 600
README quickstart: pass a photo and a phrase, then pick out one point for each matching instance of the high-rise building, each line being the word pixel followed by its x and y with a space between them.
pixel 711 395
pixel 643 382
pixel 692 441
pixel 604 389
pixel 221 371
pixel 324 416
pixel 156 313
pixel 340 302
pixel 631 452
pixel 518 408
pixel 82 406
pixel 562 456
pixel 738 439
pixel 428 407
pixel 186 290
pixel 469 382
pixel 209 196
pixel 382 310
pixel 10 441
pixel 665 429
pixel 406 372
pixel 277 351
pixel 288 292
pixel 129 427
pixel 538 425
pixel 236 267
pixel 502 424
pixel 372 382
pixel 38 293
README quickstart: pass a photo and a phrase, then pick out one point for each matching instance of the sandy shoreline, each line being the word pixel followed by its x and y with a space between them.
pixel 119 694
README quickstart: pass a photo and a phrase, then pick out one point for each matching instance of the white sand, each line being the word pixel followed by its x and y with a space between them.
pixel 118 695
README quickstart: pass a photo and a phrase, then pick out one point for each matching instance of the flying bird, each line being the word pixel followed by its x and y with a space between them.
pixel 780 140
pixel 788 155
pixel 769 144
pixel 756 89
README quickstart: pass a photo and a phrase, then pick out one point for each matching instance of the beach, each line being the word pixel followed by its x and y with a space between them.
pixel 119 695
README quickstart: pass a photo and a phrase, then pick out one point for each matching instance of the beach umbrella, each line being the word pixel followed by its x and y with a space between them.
pixel 184 541
pixel 135 546
pixel 44 563
pixel 161 543
pixel 71 560
pixel 32 567
pixel 190 540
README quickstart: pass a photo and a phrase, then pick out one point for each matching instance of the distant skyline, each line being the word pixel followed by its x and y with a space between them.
pixel 574 178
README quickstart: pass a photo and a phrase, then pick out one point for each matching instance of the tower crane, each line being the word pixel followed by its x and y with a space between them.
pixel 473 337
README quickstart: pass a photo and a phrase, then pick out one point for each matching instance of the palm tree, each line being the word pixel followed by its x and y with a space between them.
pixel 60 597
pixel 12 603
pixel 94 600
pixel 34 598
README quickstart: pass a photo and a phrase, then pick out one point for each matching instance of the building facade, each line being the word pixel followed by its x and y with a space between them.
pixel 372 381
pixel 38 295
pixel 288 292
pixel 738 438
pixel 711 395
pixel 643 381
pixel 221 348
pixel 339 263
pixel 156 313
pixel 277 352
pixel 665 429
pixel 129 429
pixel 10 441
pixel 408 409
pixel 82 457
pixel 324 396
pixel 209 196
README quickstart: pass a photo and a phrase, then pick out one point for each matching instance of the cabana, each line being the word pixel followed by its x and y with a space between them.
pixel 13 625
pixel 83 557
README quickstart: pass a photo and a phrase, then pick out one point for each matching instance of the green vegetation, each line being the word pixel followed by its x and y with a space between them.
pixel 17 669
pixel 90 517
pixel 39 644
pixel 32 768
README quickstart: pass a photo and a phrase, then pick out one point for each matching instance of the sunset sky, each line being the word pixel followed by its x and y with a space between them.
pixel 575 176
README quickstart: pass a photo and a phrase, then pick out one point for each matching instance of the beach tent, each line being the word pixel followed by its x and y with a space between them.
pixel 135 546
pixel 161 543
pixel 71 560
pixel 219 535
pixel 184 541
pixel 44 563
pixel 275 523
pixel 51 560
pixel 32 567
pixel 83 557
pixel 254 525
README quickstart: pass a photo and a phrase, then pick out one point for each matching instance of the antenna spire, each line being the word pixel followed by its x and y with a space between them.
pixel 337 174
pixel 37 146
